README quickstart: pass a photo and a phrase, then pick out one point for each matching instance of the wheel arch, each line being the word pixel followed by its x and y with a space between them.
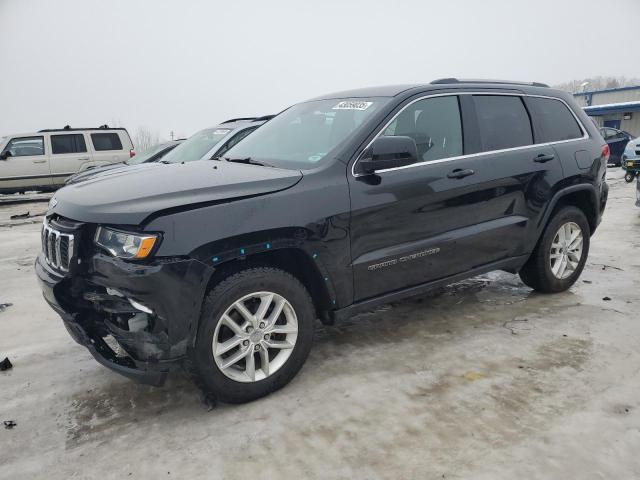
pixel 581 196
pixel 294 260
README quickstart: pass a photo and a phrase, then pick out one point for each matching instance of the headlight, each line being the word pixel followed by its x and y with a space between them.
pixel 125 244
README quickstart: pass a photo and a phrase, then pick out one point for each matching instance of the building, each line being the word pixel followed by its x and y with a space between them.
pixel 613 107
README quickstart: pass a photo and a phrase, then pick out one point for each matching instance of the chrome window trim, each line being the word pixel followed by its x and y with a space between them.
pixel 585 134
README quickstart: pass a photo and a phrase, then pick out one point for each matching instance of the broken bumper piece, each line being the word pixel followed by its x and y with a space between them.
pixel 136 320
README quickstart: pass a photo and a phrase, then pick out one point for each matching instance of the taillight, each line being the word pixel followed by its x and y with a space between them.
pixel 605 152
pixel 132 153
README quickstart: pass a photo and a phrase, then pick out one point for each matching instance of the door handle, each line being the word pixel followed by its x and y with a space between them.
pixel 83 159
pixel 459 173
pixel 542 158
pixel 39 161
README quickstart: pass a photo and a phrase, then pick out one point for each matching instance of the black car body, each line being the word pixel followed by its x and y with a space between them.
pixel 362 208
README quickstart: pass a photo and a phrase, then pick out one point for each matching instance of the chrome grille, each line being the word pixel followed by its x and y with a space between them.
pixel 57 247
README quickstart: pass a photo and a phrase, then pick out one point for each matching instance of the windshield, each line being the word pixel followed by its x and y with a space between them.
pixel 196 145
pixel 148 153
pixel 302 136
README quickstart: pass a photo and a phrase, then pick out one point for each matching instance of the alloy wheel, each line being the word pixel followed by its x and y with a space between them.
pixel 566 250
pixel 255 337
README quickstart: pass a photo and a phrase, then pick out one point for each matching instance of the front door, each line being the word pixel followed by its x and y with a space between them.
pixel 407 223
pixel 25 164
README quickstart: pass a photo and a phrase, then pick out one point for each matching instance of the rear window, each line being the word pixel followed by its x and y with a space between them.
pixel 556 122
pixel 106 141
pixel 68 144
pixel 503 122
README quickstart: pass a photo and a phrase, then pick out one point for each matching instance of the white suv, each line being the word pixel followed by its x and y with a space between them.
pixel 43 160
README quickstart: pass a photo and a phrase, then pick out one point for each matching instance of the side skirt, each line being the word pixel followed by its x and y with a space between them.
pixel 511 264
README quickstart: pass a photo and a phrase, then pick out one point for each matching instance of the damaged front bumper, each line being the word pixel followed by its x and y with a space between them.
pixel 136 319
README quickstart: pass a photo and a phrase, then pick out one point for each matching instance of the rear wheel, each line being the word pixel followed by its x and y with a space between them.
pixel 255 333
pixel 561 253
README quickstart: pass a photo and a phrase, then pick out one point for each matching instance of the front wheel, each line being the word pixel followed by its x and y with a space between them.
pixel 255 333
pixel 561 253
pixel 629 176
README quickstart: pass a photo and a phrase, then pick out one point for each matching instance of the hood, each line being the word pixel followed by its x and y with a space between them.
pixel 92 172
pixel 126 196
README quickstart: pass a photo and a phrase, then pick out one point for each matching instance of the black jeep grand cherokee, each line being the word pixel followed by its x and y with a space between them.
pixel 336 205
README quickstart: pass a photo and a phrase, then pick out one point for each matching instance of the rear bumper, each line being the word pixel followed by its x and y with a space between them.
pixel 173 290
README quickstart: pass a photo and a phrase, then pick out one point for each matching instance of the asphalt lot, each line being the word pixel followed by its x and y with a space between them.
pixel 483 379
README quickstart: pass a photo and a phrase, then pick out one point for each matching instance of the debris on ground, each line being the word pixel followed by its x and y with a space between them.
pixel 516 325
pixel 4 306
pixel 9 424
pixel 605 266
pixel 5 364
pixel 19 215
pixel 606 299
pixel 587 281
pixel 209 401
pixel 473 376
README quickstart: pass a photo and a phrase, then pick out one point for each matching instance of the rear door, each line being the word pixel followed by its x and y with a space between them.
pixel 26 164
pixel 108 147
pixel 517 173
pixel 68 155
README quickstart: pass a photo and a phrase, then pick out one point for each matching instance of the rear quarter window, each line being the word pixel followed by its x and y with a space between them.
pixel 554 121
pixel 106 141
pixel 503 122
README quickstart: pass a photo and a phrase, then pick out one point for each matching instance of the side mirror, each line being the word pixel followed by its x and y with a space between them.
pixel 388 152
pixel 6 154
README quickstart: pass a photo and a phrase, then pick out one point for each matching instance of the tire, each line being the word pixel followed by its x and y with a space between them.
pixel 537 273
pixel 628 177
pixel 239 383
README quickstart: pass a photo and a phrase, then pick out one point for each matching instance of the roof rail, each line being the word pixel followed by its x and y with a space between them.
pixel 241 119
pixel 442 81
pixel 68 128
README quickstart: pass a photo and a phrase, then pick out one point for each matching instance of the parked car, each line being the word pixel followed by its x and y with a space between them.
pixel 617 141
pixel 152 154
pixel 43 160
pixel 337 205
pixel 207 144
pixel 631 159
pixel 213 142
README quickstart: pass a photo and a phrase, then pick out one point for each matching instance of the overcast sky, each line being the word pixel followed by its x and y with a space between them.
pixel 185 65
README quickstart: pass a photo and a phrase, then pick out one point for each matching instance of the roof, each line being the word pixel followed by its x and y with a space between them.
pixel 612 108
pixel 606 90
pixel 394 90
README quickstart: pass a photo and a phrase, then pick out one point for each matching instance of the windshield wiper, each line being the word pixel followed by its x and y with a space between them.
pixel 247 160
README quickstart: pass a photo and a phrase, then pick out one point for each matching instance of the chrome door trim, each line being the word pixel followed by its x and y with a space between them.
pixel 585 135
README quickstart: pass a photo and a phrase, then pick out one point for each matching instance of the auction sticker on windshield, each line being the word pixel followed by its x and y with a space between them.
pixel 221 131
pixel 352 105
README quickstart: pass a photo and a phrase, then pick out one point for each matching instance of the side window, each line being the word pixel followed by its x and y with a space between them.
pixel 556 122
pixel 234 140
pixel 61 144
pixel 503 122
pixel 435 125
pixel 609 133
pixel 25 146
pixel 106 141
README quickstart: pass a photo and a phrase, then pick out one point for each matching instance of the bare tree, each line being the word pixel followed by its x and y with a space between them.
pixel 145 138
pixel 597 83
